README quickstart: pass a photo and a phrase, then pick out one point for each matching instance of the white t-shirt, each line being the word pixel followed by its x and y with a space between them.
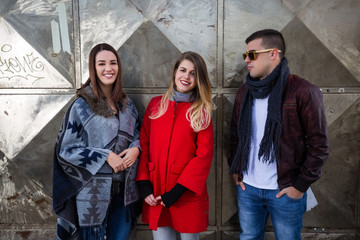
pixel 260 174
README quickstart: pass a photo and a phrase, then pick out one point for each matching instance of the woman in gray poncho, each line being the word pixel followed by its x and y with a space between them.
pixel 95 158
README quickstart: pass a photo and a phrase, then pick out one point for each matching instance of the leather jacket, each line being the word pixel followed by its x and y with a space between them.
pixel 304 145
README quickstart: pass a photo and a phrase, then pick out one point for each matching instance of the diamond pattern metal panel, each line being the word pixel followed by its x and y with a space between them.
pixel 338 189
pixel 22 118
pixel 33 21
pixel 22 66
pixel 336 24
pixel 311 59
pixel 190 25
pixel 147 58
pixel 322 46
pixel 112 22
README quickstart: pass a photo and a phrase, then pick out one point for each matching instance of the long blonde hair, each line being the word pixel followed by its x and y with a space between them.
pixel 199 114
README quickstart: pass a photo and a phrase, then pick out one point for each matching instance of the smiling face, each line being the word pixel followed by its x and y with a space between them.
pixel 107 68
pixel 185 77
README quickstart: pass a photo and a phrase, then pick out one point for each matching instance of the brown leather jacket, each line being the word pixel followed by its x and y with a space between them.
pixel 304 145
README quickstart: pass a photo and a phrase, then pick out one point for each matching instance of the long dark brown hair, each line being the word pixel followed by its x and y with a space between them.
pixel 117 93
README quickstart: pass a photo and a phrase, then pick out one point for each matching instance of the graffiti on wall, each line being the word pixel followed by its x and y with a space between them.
pixel 21 66
pixel 25 67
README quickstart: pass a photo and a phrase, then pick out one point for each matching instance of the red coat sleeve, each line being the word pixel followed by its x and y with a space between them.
pixel 195 173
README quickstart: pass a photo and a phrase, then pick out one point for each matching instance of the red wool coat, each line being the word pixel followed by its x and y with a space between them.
pixel 173 153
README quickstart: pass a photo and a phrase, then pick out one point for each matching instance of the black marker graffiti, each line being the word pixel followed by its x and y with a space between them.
pixel 20 68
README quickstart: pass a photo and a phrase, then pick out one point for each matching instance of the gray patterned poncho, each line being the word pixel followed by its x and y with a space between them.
pixel 82 177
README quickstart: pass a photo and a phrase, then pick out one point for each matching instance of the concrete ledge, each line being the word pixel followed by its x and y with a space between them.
pixel 28 231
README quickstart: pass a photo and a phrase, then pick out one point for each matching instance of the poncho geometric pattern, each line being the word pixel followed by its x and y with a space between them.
pixel 82 178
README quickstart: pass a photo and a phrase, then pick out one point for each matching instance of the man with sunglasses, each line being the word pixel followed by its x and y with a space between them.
pixel 279 140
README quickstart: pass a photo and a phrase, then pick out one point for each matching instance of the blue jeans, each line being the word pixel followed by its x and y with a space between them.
pixel 255 205
pixel 119 220
pixel 116 225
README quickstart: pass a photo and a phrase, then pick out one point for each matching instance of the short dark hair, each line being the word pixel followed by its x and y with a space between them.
pixel 270 39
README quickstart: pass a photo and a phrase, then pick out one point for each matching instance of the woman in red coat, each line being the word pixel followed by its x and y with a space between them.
pixel 176 140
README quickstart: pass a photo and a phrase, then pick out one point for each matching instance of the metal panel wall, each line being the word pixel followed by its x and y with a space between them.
pixel 44 46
